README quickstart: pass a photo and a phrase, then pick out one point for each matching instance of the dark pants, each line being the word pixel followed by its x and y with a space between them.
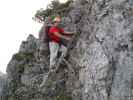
pixel 64 42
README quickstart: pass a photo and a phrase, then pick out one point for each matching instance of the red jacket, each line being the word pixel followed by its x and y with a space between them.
pixel 53 37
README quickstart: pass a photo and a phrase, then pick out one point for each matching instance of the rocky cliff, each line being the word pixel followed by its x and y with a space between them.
pixel 99 65
pixel 3 86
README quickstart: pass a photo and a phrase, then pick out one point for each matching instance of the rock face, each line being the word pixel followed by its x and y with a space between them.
pixel 3 86
pixel 100 61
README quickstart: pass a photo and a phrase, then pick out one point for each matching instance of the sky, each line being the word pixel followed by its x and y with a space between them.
pixel 16 24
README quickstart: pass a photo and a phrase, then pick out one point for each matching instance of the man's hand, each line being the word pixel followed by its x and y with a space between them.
pixel 69 33
pixel 63 36
pixel 68 38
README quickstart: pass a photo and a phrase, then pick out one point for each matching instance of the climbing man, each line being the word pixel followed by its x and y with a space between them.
pixel 57 37
pixel 58 40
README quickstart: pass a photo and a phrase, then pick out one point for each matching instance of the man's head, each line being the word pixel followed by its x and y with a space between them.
pixel 56 20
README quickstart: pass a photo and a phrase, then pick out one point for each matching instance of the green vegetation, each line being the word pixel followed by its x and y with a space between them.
pixel 12 87
pixel 53 9
pixel 58 91
pixel 22 59
pixel 18 56
pixel 11 98
pixel 63 96
pixel 21 56
pixel 20 68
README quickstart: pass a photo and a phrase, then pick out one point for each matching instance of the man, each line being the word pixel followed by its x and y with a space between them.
pixel 56 35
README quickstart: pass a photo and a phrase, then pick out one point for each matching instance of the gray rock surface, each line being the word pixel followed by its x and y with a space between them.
pixel 3 86
pixel 100 61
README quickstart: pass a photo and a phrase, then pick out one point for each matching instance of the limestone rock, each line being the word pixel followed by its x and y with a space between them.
pixel 99 62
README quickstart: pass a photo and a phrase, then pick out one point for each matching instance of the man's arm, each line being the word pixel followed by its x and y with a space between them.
pixel 68 33
pixel 62 36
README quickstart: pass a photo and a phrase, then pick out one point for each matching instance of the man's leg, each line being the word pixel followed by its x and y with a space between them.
pixel 54 47
pixel 63 51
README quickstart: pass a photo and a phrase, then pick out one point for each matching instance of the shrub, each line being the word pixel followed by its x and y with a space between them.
pixel 53 9
pixel 23 56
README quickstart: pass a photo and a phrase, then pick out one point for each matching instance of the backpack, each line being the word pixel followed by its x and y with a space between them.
pixel 43 33
pixel 47 28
